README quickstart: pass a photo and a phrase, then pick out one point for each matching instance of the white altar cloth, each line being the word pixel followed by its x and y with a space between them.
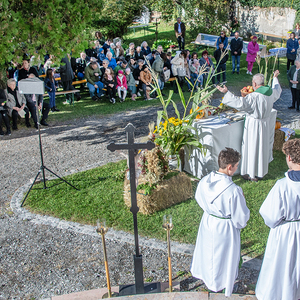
pixel 214 134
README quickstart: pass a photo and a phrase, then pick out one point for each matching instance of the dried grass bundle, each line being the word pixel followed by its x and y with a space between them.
pixel 168 192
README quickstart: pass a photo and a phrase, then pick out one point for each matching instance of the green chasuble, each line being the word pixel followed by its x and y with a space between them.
pixel 265 90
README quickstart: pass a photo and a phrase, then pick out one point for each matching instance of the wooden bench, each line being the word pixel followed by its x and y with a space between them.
pixel 65 93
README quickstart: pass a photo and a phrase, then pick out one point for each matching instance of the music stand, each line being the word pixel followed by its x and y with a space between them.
pixel 36 86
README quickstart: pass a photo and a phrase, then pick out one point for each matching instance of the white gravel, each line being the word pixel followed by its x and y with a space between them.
pixel 39 261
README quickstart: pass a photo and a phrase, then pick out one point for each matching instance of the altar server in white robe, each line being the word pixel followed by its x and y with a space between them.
pixel 258 134
pixel 217 251
pixel 279 277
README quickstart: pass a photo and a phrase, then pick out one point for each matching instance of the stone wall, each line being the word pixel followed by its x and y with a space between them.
pixel 273 20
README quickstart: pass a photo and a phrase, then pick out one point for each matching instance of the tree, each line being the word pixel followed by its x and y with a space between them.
pixel 117 15
pixel 37 27
pixel 201 15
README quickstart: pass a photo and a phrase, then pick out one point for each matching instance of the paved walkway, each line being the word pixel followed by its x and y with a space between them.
pixel 41 257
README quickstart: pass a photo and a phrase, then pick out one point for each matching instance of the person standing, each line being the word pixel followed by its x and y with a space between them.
pixel 253 48
pixel 67 75
pixel 3 113
pixel 236 47
pixel 217 250
pixel 221 57
pixel 257 129
pixel 179 28
pixel 292 46
pixel 222 39
pixel 279 276
pixel 294 81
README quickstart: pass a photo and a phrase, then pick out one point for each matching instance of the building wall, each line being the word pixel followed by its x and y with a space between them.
pixel 274 20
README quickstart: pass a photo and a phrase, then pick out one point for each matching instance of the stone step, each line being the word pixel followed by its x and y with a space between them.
pixel 97 294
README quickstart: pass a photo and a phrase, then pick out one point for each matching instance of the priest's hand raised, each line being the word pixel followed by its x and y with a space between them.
pixel 276 73
pixel 223 89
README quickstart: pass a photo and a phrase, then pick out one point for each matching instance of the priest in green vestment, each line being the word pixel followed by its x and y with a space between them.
pixel 259 128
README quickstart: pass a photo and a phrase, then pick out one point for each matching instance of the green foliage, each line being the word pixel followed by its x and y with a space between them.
pixel 164 43
pixel 116 16
pixel 146 187
pixel 199 15
pixel 39 27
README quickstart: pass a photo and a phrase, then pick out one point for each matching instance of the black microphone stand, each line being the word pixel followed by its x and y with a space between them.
pixel 43 167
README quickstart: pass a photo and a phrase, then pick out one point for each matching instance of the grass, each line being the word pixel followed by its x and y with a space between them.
pixel 86 107
pixel 101 194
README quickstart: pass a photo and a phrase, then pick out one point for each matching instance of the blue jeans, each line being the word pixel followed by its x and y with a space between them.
pixel 80 75
pixel 236 58
pixel 51 99
pixel 161 84
pixel 195 76
pixel 132 90
pixel 92 89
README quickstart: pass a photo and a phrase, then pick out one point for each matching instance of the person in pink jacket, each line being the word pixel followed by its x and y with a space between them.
pixel 253 48
pixel 121 85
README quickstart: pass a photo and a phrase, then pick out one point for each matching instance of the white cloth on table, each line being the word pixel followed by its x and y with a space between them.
pixel 217 251
pixel 288 132
pixel 259 129
pixel 279 277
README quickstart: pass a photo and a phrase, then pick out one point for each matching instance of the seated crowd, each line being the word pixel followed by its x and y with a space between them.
pixel 108 69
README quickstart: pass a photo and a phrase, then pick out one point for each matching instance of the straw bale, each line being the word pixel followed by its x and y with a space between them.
pixel 278 140
pixel 168 192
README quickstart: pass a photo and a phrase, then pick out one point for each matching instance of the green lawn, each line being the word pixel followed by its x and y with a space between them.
pixel 101 194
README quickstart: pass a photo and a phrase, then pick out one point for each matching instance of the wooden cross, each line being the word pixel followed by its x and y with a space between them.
pixel 132 150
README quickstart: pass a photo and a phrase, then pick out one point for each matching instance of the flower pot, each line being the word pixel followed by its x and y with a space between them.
pixel 173 163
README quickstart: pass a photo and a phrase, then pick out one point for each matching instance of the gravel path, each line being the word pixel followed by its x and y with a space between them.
pixel 37 260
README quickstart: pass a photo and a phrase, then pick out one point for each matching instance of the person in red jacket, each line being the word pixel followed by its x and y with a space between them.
pixel 121 85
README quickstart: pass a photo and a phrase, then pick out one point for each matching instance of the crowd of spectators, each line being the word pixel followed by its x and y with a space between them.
pixel 107 68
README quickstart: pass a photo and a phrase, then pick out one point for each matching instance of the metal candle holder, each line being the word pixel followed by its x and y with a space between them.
pixel 102 229
pixel 168 225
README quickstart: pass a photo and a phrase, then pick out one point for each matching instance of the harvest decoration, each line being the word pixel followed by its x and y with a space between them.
pixel 277 125
pixel 246 90
pixel 172 134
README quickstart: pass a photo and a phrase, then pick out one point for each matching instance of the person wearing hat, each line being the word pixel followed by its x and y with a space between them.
pixel 121 85
pixel 253 48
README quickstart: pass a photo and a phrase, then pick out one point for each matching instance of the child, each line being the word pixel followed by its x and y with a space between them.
pixel 195 68
pixel 101 56
pixel 110 84
pixel 130 83
pixel 279 276
pixel 217 251
pixel 50 86
pixel 121 85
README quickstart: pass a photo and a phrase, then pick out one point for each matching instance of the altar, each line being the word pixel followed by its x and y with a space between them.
pixel 215 133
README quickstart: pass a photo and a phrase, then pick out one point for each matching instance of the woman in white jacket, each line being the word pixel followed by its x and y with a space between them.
pixel 178 68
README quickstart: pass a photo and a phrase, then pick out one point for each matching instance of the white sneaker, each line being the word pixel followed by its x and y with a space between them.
pixel 113 100
pixel 247 72
pixel 139 94
pixel 250 73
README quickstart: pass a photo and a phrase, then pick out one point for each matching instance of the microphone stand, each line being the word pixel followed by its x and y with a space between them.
pixel 43 167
